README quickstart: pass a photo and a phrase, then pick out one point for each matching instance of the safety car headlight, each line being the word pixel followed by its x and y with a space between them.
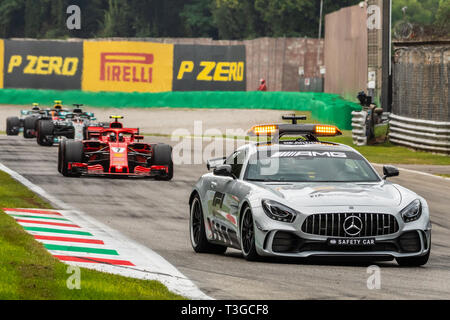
pixel 278 211
pixel 412 211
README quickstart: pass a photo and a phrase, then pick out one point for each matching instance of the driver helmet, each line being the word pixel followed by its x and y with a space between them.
pixel 58 105
pixel 112 136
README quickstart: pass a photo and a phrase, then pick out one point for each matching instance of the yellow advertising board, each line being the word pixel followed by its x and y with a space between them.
pixel 2 57
pixel 127 66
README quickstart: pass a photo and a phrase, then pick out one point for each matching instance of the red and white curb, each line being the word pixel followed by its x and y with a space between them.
pixel 78 239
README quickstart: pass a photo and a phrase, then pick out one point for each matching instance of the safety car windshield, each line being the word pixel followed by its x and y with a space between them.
pixel 309 166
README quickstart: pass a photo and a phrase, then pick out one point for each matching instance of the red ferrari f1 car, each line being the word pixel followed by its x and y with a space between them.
pixel 114 151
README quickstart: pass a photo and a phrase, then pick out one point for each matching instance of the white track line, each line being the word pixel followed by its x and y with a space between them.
pixel 149 264
pixel 416 172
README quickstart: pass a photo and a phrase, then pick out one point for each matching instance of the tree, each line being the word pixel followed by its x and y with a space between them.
pixel 117 20
pixel 237 19
pixel 443 15
pixel 422 12
pixel 198 19
pixel 12 14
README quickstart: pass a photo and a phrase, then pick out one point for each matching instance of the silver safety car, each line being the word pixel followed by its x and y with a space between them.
pixel 296 196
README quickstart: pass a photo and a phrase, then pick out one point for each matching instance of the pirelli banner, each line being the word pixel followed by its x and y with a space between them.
pixel 42 64
pixel 126 66
pixel 205 67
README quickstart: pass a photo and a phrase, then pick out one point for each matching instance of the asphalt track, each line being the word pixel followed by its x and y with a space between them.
pixel 155 214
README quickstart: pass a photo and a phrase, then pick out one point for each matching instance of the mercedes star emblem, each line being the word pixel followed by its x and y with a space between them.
pixel 352 225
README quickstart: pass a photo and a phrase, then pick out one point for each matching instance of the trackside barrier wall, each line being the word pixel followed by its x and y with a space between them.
pixel 433 136
pixel 121 66
pixel 324 107
pixel 147 74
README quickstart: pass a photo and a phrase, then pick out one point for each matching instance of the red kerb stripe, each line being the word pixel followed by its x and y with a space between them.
pixel 68 239
pixel 48 223
pixel 37 211
pixel 94 260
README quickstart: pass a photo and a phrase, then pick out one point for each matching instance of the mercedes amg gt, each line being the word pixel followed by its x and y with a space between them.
pixel 300 197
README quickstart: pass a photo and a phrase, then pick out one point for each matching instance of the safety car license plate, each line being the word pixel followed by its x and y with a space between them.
pixel 353 242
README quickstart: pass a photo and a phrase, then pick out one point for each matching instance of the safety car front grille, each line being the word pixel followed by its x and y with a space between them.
pixel 364 224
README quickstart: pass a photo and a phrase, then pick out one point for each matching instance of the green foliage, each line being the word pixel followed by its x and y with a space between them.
pixel 423 12
pixel 224 19
pixel 443 15
pixel 218 19
pixel 197 18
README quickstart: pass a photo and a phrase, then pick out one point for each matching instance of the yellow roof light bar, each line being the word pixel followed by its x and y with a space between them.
pixel 58 102
pixel 268 129
pixel 326 130
pixel 116 117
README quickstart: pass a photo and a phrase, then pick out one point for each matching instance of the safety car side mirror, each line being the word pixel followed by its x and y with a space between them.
pixel 223 170
pixel 390 171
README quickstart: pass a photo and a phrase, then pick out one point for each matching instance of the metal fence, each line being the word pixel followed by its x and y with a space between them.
pixel 421 79
pixel 433 136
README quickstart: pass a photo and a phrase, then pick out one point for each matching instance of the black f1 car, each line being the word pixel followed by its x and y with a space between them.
pixel 16 124
pixel 72 125
pixel 32 119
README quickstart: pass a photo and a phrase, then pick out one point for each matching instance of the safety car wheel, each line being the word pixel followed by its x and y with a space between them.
pixel 248 236
pixel 198 238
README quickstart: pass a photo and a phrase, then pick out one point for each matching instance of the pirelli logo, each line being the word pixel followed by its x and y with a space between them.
pixel 126 67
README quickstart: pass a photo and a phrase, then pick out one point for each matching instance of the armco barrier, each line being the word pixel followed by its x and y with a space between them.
pixel 359 128
pixel 326 108
pixel 420 134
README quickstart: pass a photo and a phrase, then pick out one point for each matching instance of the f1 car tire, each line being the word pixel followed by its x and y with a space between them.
pixel 199 242
pixel 414 261
pixel 61 150
pixel 45 133
pixel 29 127
pixel 72 151
pixel 12 126
pixel 248 236
pixel 162 156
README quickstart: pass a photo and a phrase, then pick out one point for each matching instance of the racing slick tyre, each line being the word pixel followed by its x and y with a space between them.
pixel 414 261
pixel 45 133
pixel 162 156
pixel 199 242
pixel 29 127
pixel 248 246
pixel 61 150
pixel 71 151
pixel 12 126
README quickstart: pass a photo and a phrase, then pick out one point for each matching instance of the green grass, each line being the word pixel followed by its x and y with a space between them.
pixel 390 153
pixel 29 272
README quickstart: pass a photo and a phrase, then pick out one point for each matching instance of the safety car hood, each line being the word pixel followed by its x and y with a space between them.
pixel 336 194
